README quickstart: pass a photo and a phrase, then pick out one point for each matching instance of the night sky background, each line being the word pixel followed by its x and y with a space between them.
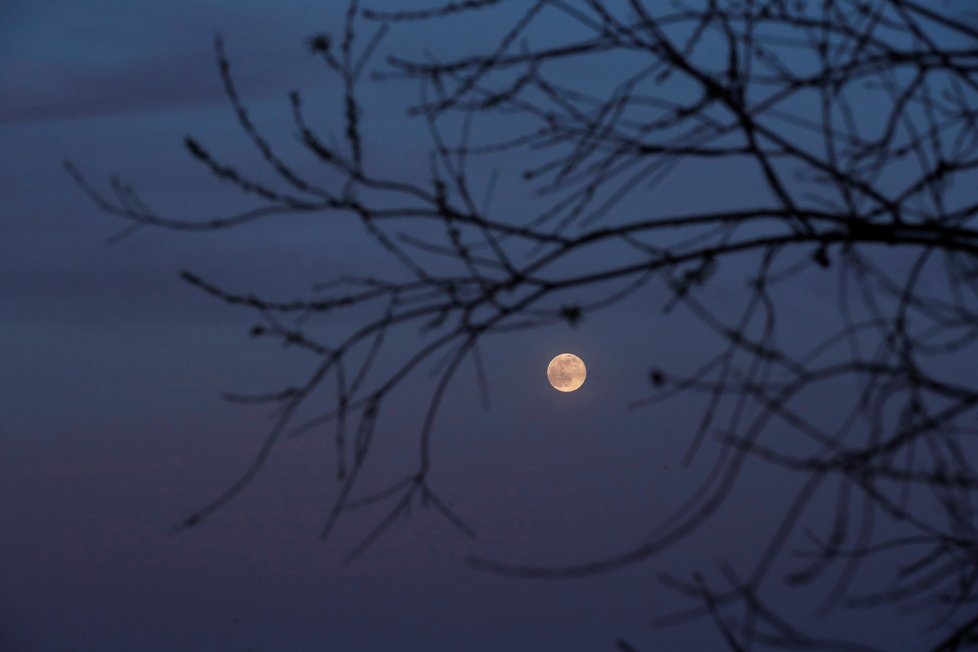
pixel 112 371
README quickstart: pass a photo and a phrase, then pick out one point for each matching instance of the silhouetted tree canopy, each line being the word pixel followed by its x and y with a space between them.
pixel 857 120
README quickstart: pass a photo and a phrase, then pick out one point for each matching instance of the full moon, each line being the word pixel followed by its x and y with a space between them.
pixel 566 372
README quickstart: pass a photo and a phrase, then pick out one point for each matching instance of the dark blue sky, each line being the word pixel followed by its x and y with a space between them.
pixel 113 368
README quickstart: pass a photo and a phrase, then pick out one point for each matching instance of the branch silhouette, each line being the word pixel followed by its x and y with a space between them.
pixel 878 200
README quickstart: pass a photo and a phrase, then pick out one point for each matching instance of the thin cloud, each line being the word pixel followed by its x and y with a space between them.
pixel 130 57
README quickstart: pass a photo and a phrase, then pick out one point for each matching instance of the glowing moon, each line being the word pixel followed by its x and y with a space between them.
pixel 566 372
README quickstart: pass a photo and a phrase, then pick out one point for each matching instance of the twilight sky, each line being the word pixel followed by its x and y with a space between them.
pixel 113 369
